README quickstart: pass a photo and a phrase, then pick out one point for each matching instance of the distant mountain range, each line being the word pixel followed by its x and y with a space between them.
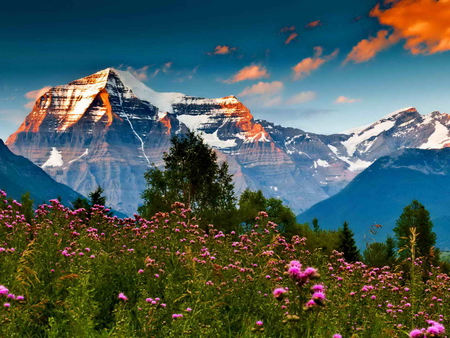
pixel 379 194
pixel 19 175
pixel 107 129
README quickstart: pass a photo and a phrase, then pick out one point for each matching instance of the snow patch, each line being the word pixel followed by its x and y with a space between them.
pixel 162 101
pixel 55 159
pixel 438 138
pixel 83 154
pixel 321 163
pixel 352 143
pixel 214 141
pixel 193 122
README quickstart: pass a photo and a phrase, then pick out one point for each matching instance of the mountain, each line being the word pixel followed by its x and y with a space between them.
pixel 107 129
pixel 379 194
pixel 19 175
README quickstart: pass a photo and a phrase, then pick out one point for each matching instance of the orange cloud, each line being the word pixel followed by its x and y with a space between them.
pixel 222 50
pixel 344 99
pixel 313 24
pixel 305 67
pixel 34 95
pixel 140 73
pixel 424 24
pixel 302 97
pixel 252 72
pixel 261 88
pixel 366 49
pixel 291 37
pixel 287 29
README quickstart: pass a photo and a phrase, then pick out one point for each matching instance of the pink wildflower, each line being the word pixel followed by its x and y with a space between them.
pixel 122 296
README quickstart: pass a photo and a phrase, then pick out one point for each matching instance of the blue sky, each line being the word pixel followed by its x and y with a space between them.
pixel 377 59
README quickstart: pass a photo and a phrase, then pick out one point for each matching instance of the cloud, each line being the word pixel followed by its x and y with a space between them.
pixel 222 50
pixel 186 74
pixel 291 37
pixel 367 49
pixel 302 97
pixel 165 68
pixel 292 34
pixel 422 24
pixel 261 88
pixel 252 72
pixel 313 24
pixel 34 95
pixel 287 29
pixel 305 67
pixel 140 73
pixel 344 99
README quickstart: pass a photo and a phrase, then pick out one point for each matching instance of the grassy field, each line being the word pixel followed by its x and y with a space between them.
pixel 65 273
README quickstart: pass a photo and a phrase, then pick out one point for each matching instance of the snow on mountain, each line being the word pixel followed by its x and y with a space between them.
pixel 108 128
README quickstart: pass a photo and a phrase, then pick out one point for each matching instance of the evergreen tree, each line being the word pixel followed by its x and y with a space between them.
pixel 27 206
pixel 96 197
pixel 191 176
pixel 380 254
pixel 252 202
pixel 315 223
pixel 415 216
pixel 347 244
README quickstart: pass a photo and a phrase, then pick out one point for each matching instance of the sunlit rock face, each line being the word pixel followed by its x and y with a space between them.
pixel 108 128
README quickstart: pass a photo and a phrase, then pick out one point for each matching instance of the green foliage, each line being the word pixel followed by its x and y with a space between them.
pixel 416 216
pixel 315 223
pixel 347 244
pixel 252 202
pixel 192 176
pixel 380 254
pixel 96 198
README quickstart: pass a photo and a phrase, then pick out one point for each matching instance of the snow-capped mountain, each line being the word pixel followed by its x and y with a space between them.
pixel 108 128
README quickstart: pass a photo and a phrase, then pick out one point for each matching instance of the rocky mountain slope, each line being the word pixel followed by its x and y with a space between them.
pixel 19 175
pixel 108 128
pixel 379 194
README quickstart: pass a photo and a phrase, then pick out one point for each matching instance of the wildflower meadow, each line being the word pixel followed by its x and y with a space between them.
pixel 69 273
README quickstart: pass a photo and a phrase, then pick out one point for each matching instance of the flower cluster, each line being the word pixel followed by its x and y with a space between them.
pixel 434 330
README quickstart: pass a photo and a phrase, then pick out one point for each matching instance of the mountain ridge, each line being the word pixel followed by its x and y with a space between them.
pixel 107 128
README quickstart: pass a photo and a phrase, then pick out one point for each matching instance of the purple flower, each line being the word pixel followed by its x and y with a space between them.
pixel 278 293
pixel 416 333
pixel 177 315
pixel 337 335
pixel 311 272
pixel 3 290
pixel 294 272
pixel 20 298
pixel 122 296
pixel 318 288
pixel 6 305
pixel 259 323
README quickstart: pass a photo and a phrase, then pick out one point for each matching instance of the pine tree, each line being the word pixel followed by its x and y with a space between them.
pixel 315 223
pixel 347 244
pixel 415 216
pixel 191 176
